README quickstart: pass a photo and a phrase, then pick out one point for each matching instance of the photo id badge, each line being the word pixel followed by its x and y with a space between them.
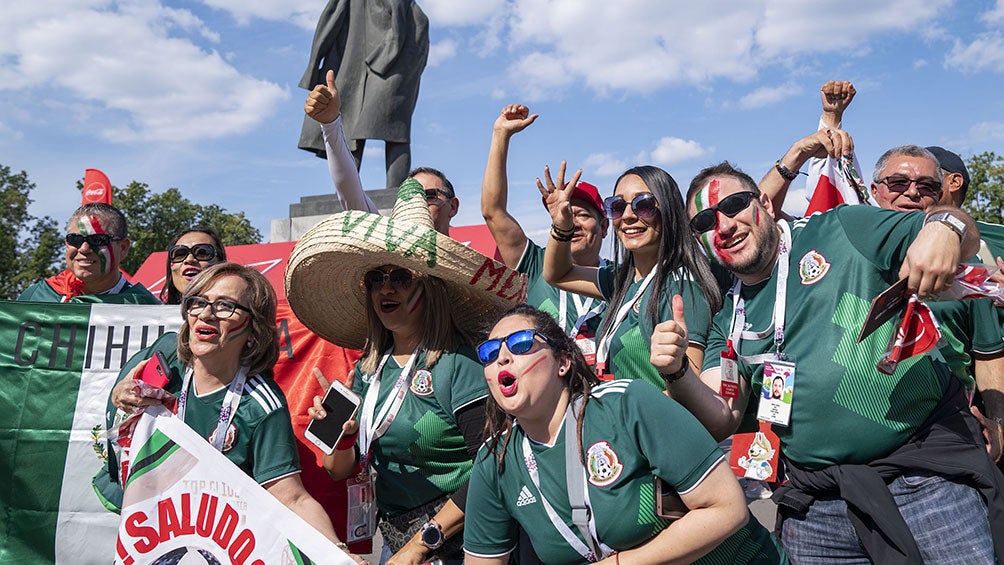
pixel 360 523
pixel 586 344
pixel 778 388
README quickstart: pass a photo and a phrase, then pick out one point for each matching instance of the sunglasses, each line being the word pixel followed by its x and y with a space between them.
pixel 645 206
pixel 94 239
pixel 519 343
pixel 926 186
pixel 222 309
pixel 399 279
pixel 201 252
pixel 730 206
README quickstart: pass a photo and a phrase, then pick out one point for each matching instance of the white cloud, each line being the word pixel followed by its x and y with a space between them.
pixel 995 15
pixel 670 150
pixel 134 71
pixel 919 64
pixel 768 95
pixel 442 51
pixel 303 13
pixel 604 164
pixel 986 52
pixel 460 12
pixel 984 132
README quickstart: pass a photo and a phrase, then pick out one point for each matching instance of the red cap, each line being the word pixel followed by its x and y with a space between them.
pixel 590 194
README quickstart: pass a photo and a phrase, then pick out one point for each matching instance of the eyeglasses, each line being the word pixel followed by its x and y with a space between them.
pixel 94 239
pixel 432 194
pixel 730 206
pixel 645 206
pixel 221 308
pixel 399 279
pixel 201 252
pixel 519 343
pixel 926 186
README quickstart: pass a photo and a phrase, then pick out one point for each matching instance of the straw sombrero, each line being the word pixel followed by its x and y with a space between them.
pixel 326 267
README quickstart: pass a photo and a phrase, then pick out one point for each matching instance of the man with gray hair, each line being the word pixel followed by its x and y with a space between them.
pixel 97 240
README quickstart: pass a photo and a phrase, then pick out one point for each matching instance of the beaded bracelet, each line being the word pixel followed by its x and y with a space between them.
pixel 560 237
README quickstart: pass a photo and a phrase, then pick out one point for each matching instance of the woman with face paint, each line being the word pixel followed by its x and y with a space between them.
pixel 549 418
pixel 655 258
pixel 190 252
pixel 220 369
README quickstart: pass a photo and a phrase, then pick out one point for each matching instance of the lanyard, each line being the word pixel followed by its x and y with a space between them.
pixel 604 342
pixel 230 403
pixel 585 308
pixel 737 333
pixel 530 461
pixel 369 430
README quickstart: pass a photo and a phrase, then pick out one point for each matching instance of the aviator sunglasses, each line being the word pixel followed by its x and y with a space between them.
pixel 730 206
pixel 519 343
pixel 201 252
pixel 645 206
pixel 398 278
pixel 94 239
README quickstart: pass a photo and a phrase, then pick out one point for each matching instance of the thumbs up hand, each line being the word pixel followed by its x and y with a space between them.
pixel 669 341
pixel 323 103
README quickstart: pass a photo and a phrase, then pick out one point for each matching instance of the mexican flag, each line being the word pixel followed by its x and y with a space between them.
pixel 57 365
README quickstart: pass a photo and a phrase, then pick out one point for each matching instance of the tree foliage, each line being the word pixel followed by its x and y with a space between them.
pixel 30 247
pixel 985 198
pixel 155 217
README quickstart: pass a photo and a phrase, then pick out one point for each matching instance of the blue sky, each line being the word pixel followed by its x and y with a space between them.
pixel 202 94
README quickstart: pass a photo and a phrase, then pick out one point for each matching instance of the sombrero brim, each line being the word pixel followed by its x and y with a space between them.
pixel 326 268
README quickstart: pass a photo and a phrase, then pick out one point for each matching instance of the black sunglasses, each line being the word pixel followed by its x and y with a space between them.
pixel 221 308
pixel 645 206
pixel 519 343
pixel 201 252
pixel 926 186
pixel 432 194
pixel 730 206
pixel 398 278
pixel 94 239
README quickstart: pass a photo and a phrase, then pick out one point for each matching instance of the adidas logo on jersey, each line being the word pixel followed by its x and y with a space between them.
pixel 525 497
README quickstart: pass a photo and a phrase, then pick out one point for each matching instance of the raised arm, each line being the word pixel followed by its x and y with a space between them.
pixel 508 234
pixel 836 96
pixel 559 270
pixel 323 105
pixel 820 144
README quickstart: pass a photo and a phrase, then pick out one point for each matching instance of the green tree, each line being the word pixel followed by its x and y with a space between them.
pixel 155 217
pixel 30 247
pixel 985 198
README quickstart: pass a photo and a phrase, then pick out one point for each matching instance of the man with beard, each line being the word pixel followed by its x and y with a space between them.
pixel 879 467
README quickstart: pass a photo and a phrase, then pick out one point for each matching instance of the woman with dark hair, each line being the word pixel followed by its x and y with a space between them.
pixel 655 258
pixel 220 368
pixel 559 439
pixel 189 252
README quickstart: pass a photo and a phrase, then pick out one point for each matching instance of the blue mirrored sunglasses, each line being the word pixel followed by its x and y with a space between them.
pixel 519 343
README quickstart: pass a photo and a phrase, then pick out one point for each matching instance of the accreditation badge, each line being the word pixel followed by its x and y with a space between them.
pixel 777 391
pixel 361 520
pixel 584 339
pixel 729 387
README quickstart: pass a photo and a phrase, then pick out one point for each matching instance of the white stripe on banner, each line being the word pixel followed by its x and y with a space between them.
pixel 86 531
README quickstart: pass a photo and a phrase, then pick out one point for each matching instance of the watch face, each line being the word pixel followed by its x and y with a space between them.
pixel 432 537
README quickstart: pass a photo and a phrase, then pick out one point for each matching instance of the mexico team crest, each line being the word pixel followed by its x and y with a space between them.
pixel 602 464
pixel 421 383
pixel 812 267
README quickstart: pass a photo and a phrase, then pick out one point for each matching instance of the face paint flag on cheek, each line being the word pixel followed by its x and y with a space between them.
pixel 106 256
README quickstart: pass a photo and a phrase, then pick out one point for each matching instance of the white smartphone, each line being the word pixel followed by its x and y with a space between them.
pixel 341 405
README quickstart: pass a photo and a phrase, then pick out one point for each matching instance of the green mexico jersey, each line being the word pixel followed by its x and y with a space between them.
pixel 422 455
pixel 260 439
pixel 547 298
pixel 843 409
pixel 130 294
pixel 626 443
pixel 992 245
pixel 628 357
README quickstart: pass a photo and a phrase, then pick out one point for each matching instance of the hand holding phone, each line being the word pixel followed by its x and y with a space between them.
pixel 340 405
pixel 155 372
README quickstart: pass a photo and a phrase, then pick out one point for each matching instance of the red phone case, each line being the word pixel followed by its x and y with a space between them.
pixel 155 371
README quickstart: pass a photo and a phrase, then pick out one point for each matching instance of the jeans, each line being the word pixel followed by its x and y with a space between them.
pixel 948 520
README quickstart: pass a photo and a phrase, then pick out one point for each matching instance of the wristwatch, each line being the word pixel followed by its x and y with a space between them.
pixel 432 535
pixel 947 218
pixel 671 378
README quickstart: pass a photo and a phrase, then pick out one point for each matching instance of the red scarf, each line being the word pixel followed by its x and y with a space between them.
pixel 66 284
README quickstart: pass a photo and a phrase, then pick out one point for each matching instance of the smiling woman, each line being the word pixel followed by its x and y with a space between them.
pixel 220 369
pixel 188 253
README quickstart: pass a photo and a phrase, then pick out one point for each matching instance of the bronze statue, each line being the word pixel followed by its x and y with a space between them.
pixel 378 50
